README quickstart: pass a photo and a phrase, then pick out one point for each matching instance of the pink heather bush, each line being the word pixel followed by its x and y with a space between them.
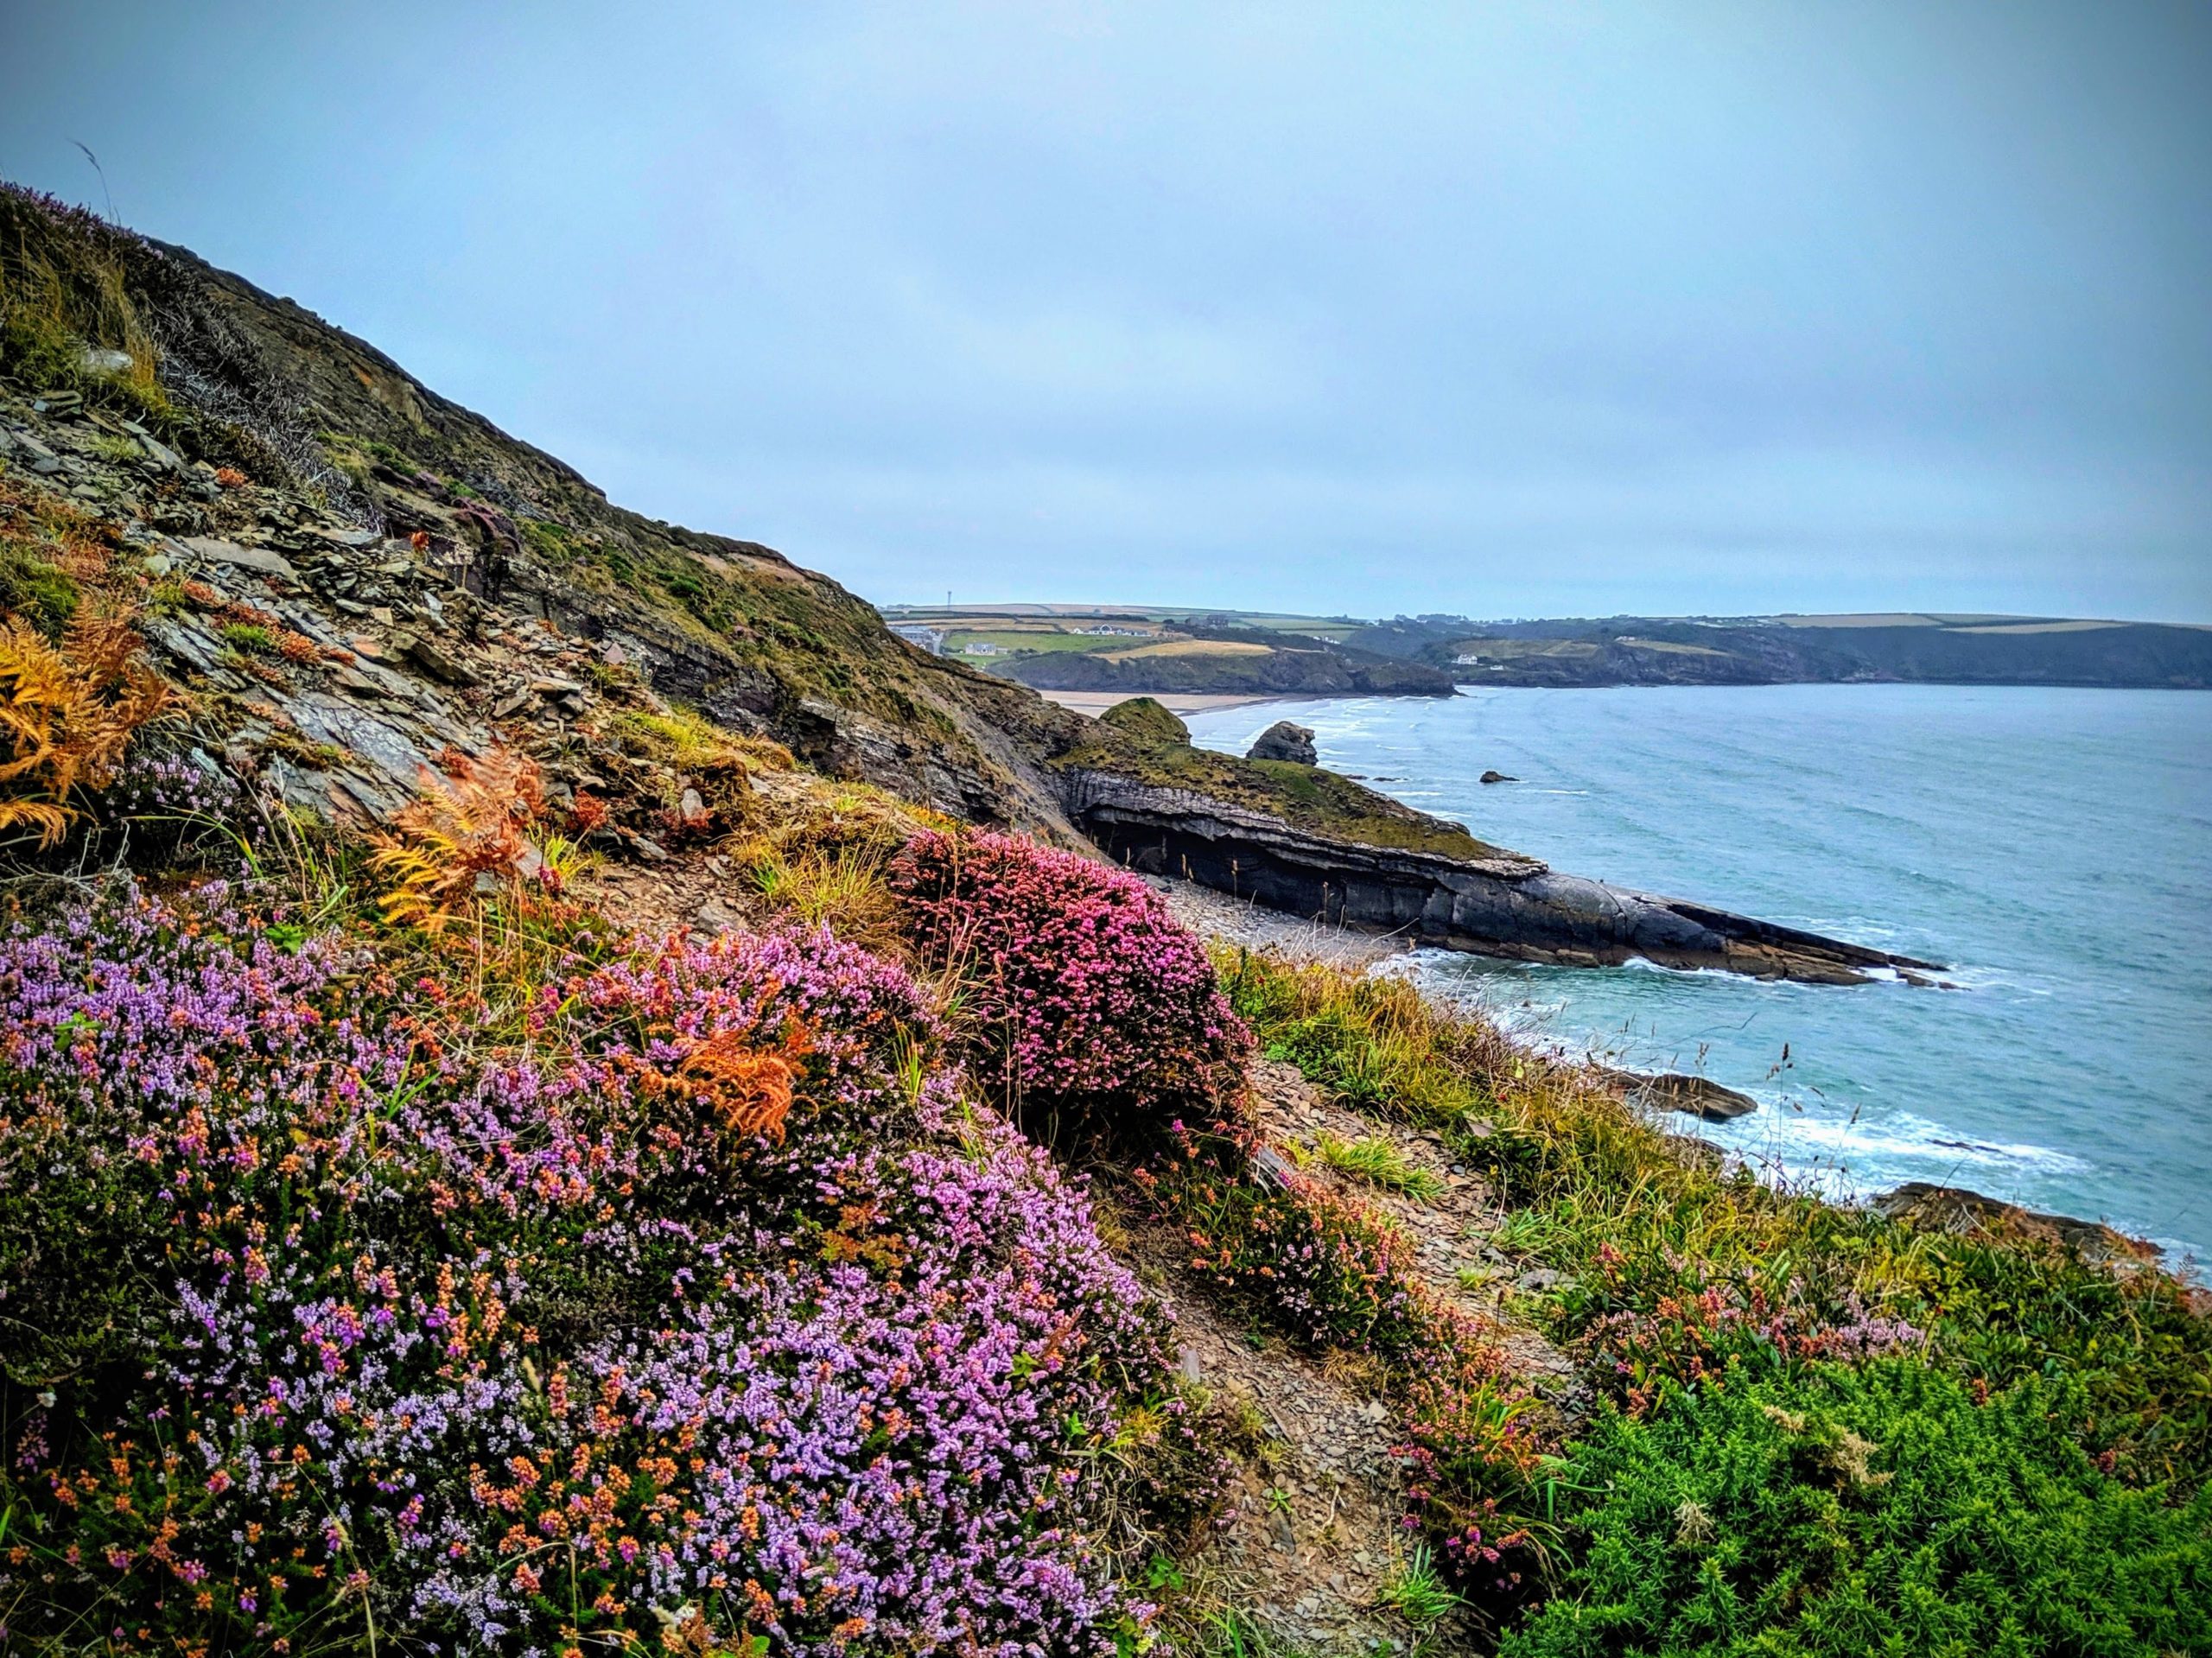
pixel 711 1302
pixel 1082 989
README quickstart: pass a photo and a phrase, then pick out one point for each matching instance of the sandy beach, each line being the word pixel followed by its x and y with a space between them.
pixel 1094 702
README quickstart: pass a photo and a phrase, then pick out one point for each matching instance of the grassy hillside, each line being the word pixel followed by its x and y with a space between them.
pixel 1076 648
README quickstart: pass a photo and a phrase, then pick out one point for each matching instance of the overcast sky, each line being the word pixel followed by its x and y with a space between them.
pixel 1503 310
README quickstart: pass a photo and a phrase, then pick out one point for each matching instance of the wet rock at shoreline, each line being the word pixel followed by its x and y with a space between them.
pixel 1676 1091
pixel 1959 1211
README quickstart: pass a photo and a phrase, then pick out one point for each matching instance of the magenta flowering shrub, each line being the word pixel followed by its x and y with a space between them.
pixel 1736 1321
pixel 1081 990
pixel 708 1309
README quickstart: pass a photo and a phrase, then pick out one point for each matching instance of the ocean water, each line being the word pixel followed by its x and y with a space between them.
pixel 2053 847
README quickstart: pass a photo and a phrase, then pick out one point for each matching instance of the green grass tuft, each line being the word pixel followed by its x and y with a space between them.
pixel 1379 1162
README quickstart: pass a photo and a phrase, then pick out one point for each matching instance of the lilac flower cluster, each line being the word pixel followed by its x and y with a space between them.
pixel 1084 991
pixel 709 1301
pixel 157 785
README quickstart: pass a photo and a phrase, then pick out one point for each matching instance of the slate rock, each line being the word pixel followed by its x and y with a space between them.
pixel 250 558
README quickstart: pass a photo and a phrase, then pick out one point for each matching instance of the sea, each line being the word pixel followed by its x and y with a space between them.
pixel 2052 847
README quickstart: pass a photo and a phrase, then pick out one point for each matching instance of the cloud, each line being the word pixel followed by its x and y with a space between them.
pixel 1507 309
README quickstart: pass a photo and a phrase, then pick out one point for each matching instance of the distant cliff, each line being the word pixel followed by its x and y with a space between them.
pixel 1234 661
pixel 1905 647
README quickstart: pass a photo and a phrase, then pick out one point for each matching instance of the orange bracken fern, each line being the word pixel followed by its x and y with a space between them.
pixel 462 827
pixel 67 714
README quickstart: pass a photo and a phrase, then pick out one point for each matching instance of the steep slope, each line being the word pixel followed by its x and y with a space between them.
pixel 352 577
pixel 257 383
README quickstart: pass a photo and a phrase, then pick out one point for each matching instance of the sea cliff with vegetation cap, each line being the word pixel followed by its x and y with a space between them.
pixel 559 1090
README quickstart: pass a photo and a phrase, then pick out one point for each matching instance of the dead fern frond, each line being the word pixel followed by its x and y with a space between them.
pixel 68 713
pixel 465 830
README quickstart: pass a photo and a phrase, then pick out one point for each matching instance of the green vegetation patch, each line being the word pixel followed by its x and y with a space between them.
pixel 1148 723
pixel 1821 1430
pixel 1881 1510
pixel 1151 745
pixel 64 306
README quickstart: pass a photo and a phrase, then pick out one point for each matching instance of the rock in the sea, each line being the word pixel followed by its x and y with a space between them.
pixel 1680 1091
pixel 1285 741
pixel 1496 777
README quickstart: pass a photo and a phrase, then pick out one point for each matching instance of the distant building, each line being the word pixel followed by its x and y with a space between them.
pixel 932 639
pixel 982 648
pixel 1106 630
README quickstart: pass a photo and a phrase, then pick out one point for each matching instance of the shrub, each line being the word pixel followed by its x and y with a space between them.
pixel 1880 1510
pixel 1330 1272
pixel 702 1308
pixel 67 714
pixel 1081 992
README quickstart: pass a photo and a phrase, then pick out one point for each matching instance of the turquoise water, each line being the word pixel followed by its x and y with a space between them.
pixel 2053 845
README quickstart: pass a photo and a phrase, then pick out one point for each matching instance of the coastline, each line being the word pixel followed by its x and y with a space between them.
pixel 1215 916
pixel 1095 703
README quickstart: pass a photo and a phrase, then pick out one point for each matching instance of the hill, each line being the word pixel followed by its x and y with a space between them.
pixel 1076 648
pixel 1911 648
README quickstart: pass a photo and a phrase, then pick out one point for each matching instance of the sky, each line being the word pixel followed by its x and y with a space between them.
pixel 1494 309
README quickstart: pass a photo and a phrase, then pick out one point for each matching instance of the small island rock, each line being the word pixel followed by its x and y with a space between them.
pixel 1496 777
pixel 1285 741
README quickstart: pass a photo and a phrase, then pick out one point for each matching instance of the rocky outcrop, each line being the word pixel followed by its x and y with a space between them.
pixel 1956 1209
pixel 1676 1091
pixel 1285 741
pixel 1503 903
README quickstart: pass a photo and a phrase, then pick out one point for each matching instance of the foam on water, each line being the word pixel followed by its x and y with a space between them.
pixel 2054 845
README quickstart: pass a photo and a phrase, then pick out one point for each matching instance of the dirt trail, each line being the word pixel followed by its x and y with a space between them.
pixel 1313 1536
pixel 1310 1536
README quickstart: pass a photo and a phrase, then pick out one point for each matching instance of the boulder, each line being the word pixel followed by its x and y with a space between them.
pixel 1496 777
pixel 1958 1210
pixel 249 558
pixel 1678 1090
pixel 1285 741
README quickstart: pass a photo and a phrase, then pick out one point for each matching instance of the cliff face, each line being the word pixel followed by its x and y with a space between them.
pixel 351 576
pixel 1496 904
pixel 1671 650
